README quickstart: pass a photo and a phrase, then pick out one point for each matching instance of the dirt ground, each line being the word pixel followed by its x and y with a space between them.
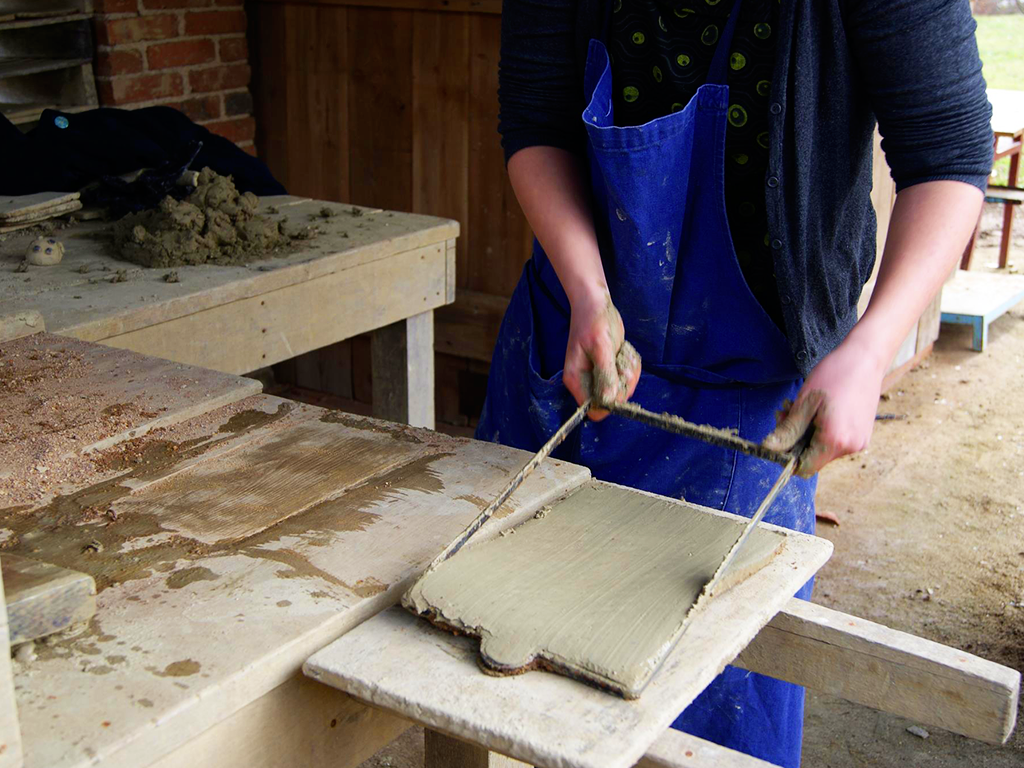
pixel 930 541
pixel 934 509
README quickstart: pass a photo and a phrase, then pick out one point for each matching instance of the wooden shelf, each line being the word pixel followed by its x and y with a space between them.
pixel 16 66
pixel 20 22
pixel 37 9
pixel 20 114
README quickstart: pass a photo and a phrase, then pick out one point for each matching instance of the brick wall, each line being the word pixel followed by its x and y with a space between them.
pixel 188 54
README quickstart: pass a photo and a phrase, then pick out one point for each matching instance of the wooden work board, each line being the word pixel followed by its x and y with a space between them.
pixel 363 269
pixel 402 663
pixel 226 548
pixel 209 603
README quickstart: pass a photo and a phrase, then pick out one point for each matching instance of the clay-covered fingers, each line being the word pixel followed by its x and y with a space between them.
pixel 595 341
pixel 794 422
pixel 628 365
pixel 833 435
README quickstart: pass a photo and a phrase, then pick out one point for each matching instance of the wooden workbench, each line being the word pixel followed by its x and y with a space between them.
pixel 227 547
pixel 232 536
pixel 367 270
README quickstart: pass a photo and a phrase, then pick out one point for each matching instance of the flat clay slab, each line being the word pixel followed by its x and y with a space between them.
pixel 400 663
pixel 599 588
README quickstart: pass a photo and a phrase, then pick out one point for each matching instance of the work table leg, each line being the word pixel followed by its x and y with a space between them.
pixel 403 371
pixel 440 751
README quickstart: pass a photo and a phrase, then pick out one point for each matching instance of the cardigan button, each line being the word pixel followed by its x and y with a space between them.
pixel 776 244
pixel 801 355
pixel 775 108
pixel 786 300
pixel 773 181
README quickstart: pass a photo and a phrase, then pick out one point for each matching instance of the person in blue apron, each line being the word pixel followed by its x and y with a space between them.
pixel 686 205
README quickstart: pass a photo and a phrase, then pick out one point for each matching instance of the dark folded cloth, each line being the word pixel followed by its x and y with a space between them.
pixel 66 152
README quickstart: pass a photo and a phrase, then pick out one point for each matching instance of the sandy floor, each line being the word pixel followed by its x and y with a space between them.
pixel 935 508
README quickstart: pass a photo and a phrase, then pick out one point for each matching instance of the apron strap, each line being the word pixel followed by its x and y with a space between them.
pixel 720 63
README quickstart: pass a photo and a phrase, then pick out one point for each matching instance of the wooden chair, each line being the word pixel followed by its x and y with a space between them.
pixel 1010 196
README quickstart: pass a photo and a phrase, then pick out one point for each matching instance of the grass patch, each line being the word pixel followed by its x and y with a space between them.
pixel 1001 44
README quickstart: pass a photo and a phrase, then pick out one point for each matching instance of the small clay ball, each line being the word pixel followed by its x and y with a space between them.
pixel 44 252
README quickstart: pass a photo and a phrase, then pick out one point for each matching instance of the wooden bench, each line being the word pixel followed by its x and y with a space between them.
pixel 1010 196
pixel 978 298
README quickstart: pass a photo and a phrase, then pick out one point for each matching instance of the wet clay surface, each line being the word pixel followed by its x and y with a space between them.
pixel 213 225
pixel 303 482
pixel 267 481
pixel 612 576
pixel 83 531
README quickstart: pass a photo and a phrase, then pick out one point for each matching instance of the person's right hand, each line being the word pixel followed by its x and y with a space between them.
pixel 596 336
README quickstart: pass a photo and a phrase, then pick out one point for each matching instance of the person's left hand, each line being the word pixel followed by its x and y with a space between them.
pixel 840 396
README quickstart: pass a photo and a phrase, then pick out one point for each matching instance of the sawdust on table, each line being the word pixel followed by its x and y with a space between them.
pixel 215 224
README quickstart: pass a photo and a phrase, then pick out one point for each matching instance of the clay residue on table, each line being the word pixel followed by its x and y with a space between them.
pixel 611 580
pixel 213 225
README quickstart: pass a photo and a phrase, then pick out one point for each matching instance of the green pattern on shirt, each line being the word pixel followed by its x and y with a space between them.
pixel 661 52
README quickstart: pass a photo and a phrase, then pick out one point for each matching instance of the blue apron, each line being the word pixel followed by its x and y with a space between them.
pixel 711 354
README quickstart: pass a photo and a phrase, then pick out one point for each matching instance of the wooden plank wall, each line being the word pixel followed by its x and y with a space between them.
pixel 394 108
pixel 391 104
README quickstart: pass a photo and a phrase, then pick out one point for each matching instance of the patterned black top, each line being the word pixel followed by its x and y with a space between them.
pixel 661 52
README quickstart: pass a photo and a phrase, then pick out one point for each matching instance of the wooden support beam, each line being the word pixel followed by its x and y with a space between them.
pixel 673 749
pixel 10 732
pixel 441 751
pixel 469 327
pixel 883 668
pixel 300 723
pixel 403 371
pixel 456 6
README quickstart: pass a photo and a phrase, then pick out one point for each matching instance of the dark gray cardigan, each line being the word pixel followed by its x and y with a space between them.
pixel 840 64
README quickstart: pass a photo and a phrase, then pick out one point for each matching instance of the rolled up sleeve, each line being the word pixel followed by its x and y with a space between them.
pixel 922 75
pixel 539 94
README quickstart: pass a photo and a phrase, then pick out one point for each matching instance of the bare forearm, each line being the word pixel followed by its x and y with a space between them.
pixel 551 188
pixel 930 226
pixel 552 191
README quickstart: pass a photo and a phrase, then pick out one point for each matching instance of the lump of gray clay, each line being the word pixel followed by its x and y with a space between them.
pixel 44 252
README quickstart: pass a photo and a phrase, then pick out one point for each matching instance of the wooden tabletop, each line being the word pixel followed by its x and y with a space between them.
pixel 366 269
pixel 226 547
pixel 1007 110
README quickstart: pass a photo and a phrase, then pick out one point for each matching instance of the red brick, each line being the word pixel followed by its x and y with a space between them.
pixel 240 131
pixel 136 29
pixel 123 61
pixel 116 6
pixel 132 90
pixel 180 53
pixel 250 148
pixel 162 5
pixel 202 109
pixel 237 103
pixel 219 78
pixel 228 2
pixel 215 22
pixel 233 49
